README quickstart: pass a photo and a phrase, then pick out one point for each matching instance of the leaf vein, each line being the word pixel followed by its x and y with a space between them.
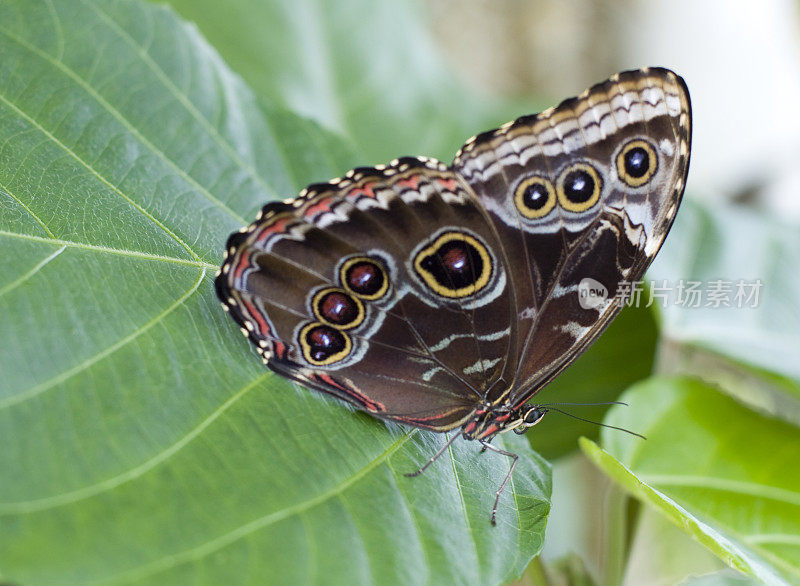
pixel 42 387
pixel 133 473
pixel 463 504
pixel 426 564
pixel 93 93
pixel 100 177
pixel 109 250
pixel 182 97
pixel 27 209
pixel 243 531
pixel 20 280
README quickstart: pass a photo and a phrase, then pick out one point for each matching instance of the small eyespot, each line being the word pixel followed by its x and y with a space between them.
pixel 364 277
pixel 637 162
pixel 579 187
pixel 454 265
pixel 535 197
pixel 337 308
pixel 323 345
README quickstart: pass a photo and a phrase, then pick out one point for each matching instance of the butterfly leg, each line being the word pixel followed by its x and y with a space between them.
pixel 434 458
pixel 514 458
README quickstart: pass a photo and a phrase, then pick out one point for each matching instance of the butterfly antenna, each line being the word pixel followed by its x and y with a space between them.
pixel 586 404
pixel 598 423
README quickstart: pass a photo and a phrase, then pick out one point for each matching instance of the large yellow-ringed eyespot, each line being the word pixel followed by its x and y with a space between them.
pixel 579 187
pixel 364 277
pixel 337 308
pixel 535 197
pixel 454 265
pixel 637 162
pixel 323 345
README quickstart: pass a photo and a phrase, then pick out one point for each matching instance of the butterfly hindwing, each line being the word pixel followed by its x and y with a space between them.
pixel 582 196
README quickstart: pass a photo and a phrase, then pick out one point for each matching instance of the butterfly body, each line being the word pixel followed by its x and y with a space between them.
pixel 445 297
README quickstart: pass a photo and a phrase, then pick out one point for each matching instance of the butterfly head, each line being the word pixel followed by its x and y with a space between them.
pixel 529 415
pixel 490 421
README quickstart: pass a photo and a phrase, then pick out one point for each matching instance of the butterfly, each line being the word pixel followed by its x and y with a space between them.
pixel 446 297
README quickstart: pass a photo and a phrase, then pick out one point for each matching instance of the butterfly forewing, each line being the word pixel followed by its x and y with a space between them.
pixel 387 288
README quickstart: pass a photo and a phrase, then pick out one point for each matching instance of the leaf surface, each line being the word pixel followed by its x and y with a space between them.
pixel 749 345
pixel 368 69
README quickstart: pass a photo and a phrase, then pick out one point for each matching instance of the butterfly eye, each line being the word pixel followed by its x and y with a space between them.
pixel 533 416
pixel 364 277
pixel 338 309
pixel 323 345
pixel 579 187
pixel 455 265
pixel 535 197
pixel 637 163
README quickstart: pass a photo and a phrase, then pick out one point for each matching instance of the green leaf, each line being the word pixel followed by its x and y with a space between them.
pixel 369 69
pixel 724 474
pixel 751 352
pixel 656 545
pixel 143 441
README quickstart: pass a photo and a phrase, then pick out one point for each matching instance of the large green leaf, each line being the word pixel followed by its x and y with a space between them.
pixel 724 474
pixel 142 439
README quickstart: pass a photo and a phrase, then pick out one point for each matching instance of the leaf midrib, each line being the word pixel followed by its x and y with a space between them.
pixel 750 539
pixel 678 513
pixel 783 495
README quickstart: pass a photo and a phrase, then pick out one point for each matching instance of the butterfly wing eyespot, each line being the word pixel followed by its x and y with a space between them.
pixel 579 186
pixel 535 197
pixel 364 277
pixel 323 345
pixel 454 265
pixel 637 162
pixel 337 308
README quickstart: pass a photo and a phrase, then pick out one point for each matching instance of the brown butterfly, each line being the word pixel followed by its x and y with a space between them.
pixel 446 297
